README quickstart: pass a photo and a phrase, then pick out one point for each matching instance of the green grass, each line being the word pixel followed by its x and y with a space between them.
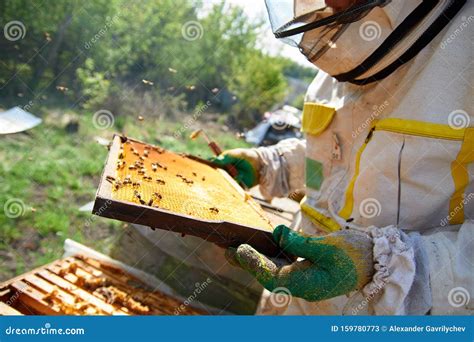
pixel 54 173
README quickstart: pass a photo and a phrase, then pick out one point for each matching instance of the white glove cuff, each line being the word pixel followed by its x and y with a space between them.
pixel 394 264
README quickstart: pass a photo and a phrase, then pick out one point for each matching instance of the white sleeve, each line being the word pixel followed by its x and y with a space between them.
pixel 451 264
pixel 420 274
pixel 283 167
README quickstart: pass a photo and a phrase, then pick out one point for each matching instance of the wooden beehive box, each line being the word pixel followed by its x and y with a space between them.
pixel 84 286
pixel 149 185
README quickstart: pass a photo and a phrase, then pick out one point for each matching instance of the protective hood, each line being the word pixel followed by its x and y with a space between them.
pixel 365 42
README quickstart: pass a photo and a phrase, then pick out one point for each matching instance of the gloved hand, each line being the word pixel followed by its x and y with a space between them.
pixel 334 264
pixel 246 161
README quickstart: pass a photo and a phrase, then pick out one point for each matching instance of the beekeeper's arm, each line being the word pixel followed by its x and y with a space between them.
pixel 278 169
pixel 396 273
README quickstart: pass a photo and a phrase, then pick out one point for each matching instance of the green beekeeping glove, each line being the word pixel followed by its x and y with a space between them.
pixel 246 161
pixel 333 265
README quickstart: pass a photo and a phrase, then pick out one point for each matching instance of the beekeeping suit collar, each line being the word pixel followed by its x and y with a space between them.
pixel 367 41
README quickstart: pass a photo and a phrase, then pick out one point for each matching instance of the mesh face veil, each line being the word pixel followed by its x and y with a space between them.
pixel 335 41
pixel 312 26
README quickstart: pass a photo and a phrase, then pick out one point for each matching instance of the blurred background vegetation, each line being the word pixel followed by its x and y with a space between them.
pixel 158 57
pixel 161 67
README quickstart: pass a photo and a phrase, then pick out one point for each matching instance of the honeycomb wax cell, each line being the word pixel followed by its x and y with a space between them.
pixel 155 177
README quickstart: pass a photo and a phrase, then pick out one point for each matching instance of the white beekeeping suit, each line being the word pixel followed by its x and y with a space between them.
pixel 394 157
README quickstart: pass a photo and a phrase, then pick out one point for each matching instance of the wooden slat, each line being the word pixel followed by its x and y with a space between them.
pixel 84 295
pixel 158 304
pixel 120 280
pixel 6 310
pixel 49 288
pixel 34 299
pixel 156 300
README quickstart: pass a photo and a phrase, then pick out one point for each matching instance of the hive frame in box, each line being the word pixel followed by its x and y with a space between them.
pixel 222 233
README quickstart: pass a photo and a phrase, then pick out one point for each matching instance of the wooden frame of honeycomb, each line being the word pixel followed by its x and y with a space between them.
pixel 149 185
pixel 80 285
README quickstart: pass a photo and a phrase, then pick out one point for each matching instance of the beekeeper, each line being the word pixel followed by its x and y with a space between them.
pixel 387 165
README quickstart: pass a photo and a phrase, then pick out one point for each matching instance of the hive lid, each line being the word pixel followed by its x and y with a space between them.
pixel 149 185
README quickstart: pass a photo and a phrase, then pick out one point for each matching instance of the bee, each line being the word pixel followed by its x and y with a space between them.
pixel 188 181
pixel 120 164
pixel 134 151
pixel 146 152
pixel 150 83
pixel 214 210
pixel 132 167
pixel 110 179
pixel 62 88
pixel 137 184
pixel 142 171
pixel 159 149
pixel 164 167
pixel 203 179
pixel 127 180
pixel 147 178
pixel 194 174
pixel 117 185
pixel 160 181
pixel 154 167
pixel 121 154
pixel 179 175
pixel 142 158
pixel 157 195
pixel 139 197
pixel 150 202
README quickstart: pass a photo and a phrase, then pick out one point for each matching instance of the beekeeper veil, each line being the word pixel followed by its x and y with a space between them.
pixel 366 40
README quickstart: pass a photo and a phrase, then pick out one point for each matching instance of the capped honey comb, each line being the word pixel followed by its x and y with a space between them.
pixel 158 178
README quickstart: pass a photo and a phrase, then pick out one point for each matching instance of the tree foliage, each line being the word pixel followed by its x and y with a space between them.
pixel 166 48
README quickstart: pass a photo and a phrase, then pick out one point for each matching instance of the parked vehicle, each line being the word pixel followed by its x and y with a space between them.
pixel 281 124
